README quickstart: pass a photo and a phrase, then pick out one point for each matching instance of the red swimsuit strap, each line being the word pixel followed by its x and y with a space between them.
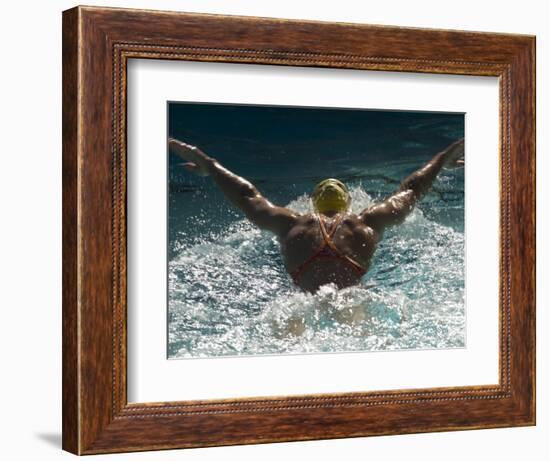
pixel 338 254
pixel 328 236
pixel 327 241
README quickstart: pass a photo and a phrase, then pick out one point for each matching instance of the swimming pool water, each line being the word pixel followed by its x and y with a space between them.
pixel 229 295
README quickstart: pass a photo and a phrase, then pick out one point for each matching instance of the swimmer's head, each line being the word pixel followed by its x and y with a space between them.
pixel 330 195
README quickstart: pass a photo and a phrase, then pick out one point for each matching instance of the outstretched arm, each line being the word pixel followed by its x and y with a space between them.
pixel 237 190
pixel 395 208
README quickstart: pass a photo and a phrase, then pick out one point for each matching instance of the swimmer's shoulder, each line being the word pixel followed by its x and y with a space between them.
pixel 304 225
pixel 354 223
pixel 306 219
pixel 348 219
pixel 352 220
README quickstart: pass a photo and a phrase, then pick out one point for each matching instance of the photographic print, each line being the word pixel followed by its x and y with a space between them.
pixel 295 230
pixel 241 201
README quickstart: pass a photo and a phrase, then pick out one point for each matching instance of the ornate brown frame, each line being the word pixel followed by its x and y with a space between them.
pixel 97 43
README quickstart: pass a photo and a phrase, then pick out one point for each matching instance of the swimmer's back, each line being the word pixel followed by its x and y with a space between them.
pixel 351 238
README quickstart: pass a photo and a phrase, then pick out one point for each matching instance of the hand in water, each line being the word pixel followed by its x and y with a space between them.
pixel 197 161
pixel 454 155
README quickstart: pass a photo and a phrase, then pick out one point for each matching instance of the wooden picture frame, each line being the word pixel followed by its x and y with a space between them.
pixel 97 43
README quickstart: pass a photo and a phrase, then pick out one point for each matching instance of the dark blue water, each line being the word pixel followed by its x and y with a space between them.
pixel 228 291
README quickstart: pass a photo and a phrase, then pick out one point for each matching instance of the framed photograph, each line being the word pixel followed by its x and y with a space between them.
pixel 281 230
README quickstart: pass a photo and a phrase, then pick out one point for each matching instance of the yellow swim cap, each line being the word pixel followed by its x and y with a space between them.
pixel 330 195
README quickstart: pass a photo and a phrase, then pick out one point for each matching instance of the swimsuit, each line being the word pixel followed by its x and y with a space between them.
pixel 327 250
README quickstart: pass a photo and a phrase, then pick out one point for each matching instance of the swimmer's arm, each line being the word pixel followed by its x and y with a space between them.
pixel 238 191
pixel 244 195
pixel 396 208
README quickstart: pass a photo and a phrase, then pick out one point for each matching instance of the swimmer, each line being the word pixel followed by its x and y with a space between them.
pixel 330 245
